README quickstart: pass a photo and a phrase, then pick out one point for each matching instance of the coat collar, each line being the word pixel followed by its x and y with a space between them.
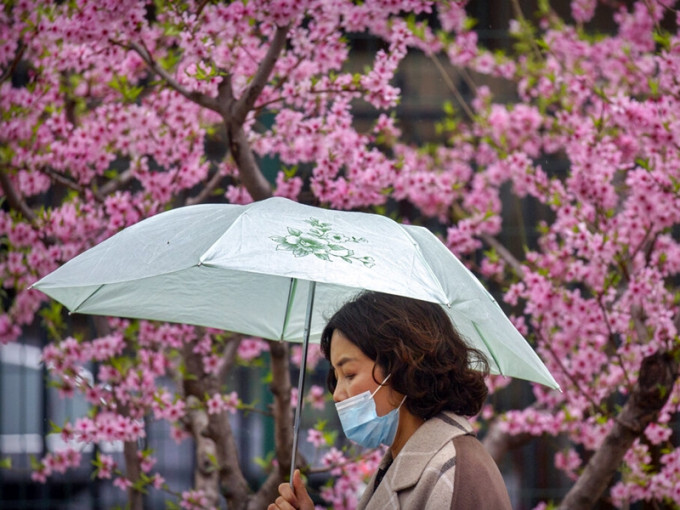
pixel 427 440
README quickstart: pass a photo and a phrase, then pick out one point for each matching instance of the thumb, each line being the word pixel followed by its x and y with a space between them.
pixel 298 484
pixel 301 491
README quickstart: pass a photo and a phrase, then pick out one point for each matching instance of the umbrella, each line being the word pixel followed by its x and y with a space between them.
pixel 276 269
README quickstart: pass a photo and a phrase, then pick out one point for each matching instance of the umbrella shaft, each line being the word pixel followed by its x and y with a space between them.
pixel 301 379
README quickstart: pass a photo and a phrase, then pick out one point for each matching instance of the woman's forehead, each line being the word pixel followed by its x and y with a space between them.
pixel 343 350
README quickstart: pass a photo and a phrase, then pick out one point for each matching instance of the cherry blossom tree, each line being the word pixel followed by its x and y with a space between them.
pixel 115 110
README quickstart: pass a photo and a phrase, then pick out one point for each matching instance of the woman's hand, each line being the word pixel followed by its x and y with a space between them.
pixel 289 500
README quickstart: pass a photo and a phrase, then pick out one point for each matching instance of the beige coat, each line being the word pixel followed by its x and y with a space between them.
pixel 441 467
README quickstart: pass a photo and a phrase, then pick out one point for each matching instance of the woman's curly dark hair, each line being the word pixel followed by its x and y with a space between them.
pixel 416 342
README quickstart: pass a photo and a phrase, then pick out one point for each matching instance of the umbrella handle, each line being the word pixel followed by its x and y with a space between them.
pixel 301 379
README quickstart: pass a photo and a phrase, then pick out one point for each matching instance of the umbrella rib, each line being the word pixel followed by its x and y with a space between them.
pixel 289 305
pixel 488 347
pixel 427 264
pixel 201 259
pixel 75 310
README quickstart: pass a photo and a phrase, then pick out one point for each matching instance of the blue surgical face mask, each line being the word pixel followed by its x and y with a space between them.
pixel 361 423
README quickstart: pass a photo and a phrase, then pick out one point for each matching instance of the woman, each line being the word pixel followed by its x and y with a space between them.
pixel 401 376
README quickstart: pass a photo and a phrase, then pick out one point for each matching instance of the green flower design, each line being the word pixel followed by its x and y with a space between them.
pixel 322 242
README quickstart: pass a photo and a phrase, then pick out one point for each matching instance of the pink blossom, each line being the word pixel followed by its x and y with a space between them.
pixel 194 500
pixel 157 481
pixel 146 462
pixel 122 483
pixel 658 433
pixel 211 364
pixel 317 397
pixel 314 355
pixel 106 466
pixel 251 348
pixel 316 438
pixel 568 462
pixel 334 459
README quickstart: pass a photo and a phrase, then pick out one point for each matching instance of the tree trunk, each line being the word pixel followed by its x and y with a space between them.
pixel 658 373
pixel 205 475
pixel 133 472
pixel 214 437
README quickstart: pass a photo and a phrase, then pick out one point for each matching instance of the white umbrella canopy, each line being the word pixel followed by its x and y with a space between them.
pixel 253 268
pixel 278 269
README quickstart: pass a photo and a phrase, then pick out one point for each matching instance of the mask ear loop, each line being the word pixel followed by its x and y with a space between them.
pixel 381 385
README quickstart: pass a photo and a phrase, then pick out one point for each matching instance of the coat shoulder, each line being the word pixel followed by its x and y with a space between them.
pixel 478 482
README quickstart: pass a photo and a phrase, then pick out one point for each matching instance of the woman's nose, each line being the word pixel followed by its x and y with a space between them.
pixel 339 395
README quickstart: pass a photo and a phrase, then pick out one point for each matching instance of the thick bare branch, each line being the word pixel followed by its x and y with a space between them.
pixel 658 373
pixel 234 114
pixel 229 356
pixel 14 199
pixel 205 474
pixel 283 415
pixel 268 492
pixel 232 483
pixel 133 472
pixel 249 171
pixel 247 101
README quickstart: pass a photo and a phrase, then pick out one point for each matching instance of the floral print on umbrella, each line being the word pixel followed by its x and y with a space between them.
pixel 321 241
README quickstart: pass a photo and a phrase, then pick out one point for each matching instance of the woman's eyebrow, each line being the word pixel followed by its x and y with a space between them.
pixel 342 361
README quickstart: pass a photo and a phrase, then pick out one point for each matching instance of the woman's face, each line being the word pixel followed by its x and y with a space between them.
pixel 354 373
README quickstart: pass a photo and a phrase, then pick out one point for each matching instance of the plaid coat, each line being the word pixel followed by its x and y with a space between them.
pixel 442 466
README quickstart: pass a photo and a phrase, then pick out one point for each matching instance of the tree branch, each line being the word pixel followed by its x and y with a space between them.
pixel 133 472
pixel 207 190
pixel 115 184
pixel 197 97
pixel 283 423
pixel 247 101
pixel 249 171
pixel 232 483
pixel 70 183
pixel 21 48
pixel 599 408
pixel 228 356
pixel 283 412
pixel 516 7
pixel 234 114
pixel 15 200
pixel 452 87
pixel 205 474
pixel 200 8
pixel 504 253
pixel 658 373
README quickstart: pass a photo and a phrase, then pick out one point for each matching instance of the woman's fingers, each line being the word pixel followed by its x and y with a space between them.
pixel 290 499
pixel 281 504
pixel 287 494
pixel 301 493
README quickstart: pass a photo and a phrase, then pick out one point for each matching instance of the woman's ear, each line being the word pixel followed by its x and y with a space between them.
pixel 379 375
